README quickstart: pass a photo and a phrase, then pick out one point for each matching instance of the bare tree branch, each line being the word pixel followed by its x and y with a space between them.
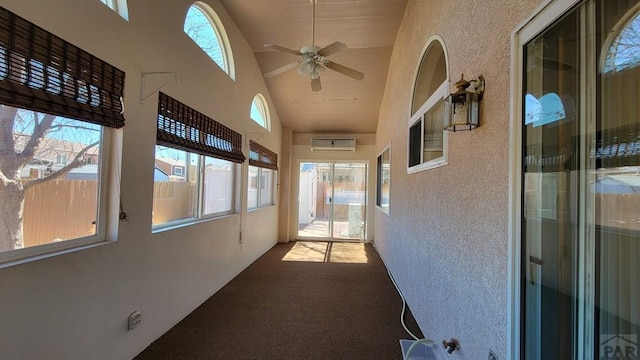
pixel 75 127
pixel 75 163
pixel 7 153
pixel 39 131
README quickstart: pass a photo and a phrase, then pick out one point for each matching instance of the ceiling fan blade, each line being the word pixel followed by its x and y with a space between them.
pixel 345 70
pixel 332 49
pixel 282 48
pixel 316 85
pixel 281 70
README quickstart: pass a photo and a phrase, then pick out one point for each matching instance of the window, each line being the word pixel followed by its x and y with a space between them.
pixel 119 6
pixel 204 27
pixel 52 198
pixel 194 173
pixel 178 170
pixel 383 179
pixel 576 215
pixel 427 138
pixel 61 159
pixel 263 164
pixel 624 51
pixel 260 111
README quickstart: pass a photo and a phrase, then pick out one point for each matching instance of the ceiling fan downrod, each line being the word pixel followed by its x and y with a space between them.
pixel 313 22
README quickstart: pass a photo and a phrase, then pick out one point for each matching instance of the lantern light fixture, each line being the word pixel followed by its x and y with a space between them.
pixel 462 108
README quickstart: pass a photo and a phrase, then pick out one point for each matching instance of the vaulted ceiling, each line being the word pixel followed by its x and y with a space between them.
pixel 344 105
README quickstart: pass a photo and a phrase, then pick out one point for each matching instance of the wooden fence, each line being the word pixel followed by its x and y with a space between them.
pixel 66 209
pixel 59 210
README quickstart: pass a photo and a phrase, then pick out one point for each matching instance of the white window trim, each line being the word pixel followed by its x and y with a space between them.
pixel 258 191
pixel 382 209
pixel 119 6
pixel 200 216
pixel 543 16
pixel 438 95
pixel 223 38
pixel 33 253
pixel 263 109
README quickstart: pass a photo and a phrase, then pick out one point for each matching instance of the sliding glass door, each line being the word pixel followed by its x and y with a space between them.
pixel 580 223
pixel 332 200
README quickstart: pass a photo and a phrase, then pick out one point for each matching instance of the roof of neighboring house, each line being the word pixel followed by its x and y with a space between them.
pixel 50 147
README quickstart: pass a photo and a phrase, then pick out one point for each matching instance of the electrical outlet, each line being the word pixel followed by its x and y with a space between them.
pixel 135 318
pixel 492 355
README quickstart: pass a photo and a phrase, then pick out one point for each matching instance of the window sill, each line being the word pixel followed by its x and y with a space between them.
pixel 35 253
pixel 260 208
pixel 187 222
pixel 383 209
pixel 427 166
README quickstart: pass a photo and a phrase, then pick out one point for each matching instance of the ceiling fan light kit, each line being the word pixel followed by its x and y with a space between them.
pixel 314 62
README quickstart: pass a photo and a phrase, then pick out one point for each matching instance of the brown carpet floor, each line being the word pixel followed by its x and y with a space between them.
pixel 303 300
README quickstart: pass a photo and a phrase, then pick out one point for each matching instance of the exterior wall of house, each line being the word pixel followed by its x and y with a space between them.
pixel 446 238
pixel 75 305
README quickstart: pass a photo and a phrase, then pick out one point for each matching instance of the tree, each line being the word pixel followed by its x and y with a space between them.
pixel 23 136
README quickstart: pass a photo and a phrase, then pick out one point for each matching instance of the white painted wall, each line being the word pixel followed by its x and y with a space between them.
pixel 445 240
pixel 75 306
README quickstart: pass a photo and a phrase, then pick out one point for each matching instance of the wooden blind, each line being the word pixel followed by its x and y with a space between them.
pixel 182 127
pixel 39 71
pixel 262 157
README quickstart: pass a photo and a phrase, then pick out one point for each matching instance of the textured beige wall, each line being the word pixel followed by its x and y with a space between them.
pixel 445 239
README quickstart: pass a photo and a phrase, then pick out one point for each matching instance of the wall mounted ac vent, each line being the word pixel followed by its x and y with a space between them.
pixel 325 144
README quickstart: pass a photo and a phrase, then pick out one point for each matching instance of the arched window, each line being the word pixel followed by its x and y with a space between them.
pixel 204 27
pixel 119 6
pixel 623 50
pixel 427 138
pixel 260 111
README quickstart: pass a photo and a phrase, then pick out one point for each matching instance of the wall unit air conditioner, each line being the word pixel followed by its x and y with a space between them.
pixel 325 144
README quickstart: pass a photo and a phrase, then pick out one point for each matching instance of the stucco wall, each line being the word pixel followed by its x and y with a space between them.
pixel 445 240
pixel 75 305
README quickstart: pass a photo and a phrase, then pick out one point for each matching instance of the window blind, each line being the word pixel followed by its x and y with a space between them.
pixel 260 156
pixel 39 71
pixel 182 127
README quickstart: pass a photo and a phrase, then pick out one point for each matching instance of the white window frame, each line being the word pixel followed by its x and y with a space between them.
pixel 223 39
pixel 439 95
pixel 259 188
pixel 263 109
pixel 32 253
pixel 119 6
pixel 541 18
pixel 199 211
pixel 176 168
pixel 379 185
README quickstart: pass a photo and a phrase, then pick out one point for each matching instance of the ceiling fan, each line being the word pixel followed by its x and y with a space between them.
pixel 314 59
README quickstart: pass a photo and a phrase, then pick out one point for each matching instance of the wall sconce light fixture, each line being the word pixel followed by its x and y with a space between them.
pixel 462 108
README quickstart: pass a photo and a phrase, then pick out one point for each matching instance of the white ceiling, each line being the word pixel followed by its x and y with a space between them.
pixel 344 105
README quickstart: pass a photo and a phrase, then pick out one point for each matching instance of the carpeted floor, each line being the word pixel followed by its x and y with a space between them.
pixel 303 300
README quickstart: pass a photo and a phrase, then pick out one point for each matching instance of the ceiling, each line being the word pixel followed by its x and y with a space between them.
pixel 344 105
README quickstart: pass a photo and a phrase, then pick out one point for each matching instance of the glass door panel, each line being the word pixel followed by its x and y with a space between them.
pixel 349 203
pixel 581 185
pixel 615 178
pixel 315 194
pixel 550 166
pixel 332 200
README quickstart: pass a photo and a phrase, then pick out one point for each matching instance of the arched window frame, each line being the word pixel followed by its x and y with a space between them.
pixel 119 6
pixel 222 37
pixel 437 97
pixel 260 103
pixel 621 26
